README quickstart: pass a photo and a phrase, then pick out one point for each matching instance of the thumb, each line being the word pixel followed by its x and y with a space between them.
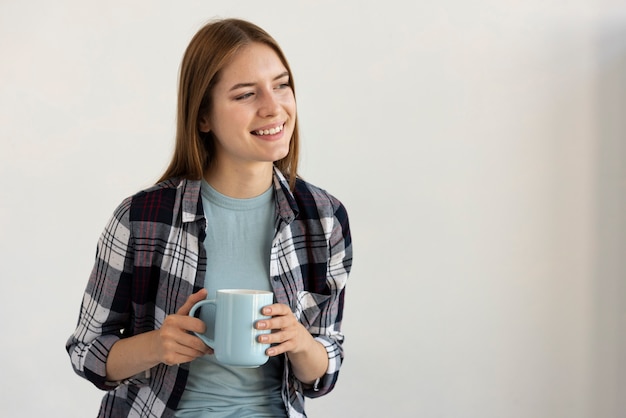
pixel 192 300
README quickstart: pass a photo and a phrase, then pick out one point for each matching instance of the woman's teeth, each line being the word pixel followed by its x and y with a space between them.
pixel 271 131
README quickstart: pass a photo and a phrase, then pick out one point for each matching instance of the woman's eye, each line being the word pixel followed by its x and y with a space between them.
pixel 244 96
pixel 283 86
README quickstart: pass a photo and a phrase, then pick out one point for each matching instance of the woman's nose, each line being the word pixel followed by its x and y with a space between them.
pixel 269 105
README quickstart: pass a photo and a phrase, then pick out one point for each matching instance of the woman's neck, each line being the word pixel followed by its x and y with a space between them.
pixel 240 183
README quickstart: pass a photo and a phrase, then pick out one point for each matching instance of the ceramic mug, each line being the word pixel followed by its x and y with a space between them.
pixel 231 317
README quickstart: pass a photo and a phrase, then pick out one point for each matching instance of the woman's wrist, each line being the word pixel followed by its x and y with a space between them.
pixel 131 356
pixel 310 364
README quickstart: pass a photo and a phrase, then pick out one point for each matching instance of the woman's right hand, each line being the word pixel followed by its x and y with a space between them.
pixel 174 343
pixel 171 344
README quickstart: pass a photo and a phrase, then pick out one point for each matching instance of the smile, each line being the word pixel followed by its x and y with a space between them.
pixel 271 131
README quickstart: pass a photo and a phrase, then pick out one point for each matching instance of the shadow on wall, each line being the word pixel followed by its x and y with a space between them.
pixel 609 282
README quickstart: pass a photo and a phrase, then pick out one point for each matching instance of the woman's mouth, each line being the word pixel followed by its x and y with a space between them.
pixel 271 131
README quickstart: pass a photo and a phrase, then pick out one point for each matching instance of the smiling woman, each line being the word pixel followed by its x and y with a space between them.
pixel 251 121
pixel 215 47
pixel 229 212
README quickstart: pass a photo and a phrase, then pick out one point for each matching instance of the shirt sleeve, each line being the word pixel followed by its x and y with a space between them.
pixel 328 332
pixel 105 308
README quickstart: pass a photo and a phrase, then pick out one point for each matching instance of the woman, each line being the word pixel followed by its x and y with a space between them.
pixel 229 212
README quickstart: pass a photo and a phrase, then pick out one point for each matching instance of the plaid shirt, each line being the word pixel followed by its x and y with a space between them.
pixel 150 259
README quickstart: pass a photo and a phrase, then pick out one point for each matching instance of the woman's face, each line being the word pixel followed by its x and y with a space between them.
pixel 253 109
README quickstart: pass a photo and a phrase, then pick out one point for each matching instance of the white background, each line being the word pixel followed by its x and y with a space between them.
pixel 479 147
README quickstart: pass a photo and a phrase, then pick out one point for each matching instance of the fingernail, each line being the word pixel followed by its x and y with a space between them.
pixel 261 324
pixel 267 311
pixel 270 351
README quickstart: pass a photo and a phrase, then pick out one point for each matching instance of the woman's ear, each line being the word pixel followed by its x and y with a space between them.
pixel 203 124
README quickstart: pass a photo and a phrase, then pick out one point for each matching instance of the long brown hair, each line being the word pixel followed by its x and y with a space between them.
pixel 212 48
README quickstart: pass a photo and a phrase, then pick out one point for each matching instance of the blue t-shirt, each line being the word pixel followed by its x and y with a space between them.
pixel 238 243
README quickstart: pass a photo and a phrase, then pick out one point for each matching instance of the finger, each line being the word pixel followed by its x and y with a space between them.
pixel 177 322
pixel 192 345
pixel 271 338
pixel 192 300
pixel 279 336
pixel 183 349
pixel 276 309
pixel 184 355
pixel 277 349
pixel 277 322
pixel 191 324
pixel 190 355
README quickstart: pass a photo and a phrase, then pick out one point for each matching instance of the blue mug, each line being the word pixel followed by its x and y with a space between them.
pixel 231 317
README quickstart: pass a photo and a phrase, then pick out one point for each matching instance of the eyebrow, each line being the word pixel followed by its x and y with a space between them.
pixel 242 85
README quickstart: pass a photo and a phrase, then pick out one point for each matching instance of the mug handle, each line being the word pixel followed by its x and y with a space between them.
pixel 196 309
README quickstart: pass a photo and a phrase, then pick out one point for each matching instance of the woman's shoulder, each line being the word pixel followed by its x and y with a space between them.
pixel 158 201
pixel 156 192
pixel 308 194
pixel 160 188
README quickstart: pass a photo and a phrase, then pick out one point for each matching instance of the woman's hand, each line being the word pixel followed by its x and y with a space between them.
pixel 288 335
pixel 173 343
pixel 307 356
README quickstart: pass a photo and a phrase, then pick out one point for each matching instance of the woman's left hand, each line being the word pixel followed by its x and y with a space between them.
pixel 288 335
pixel 307 356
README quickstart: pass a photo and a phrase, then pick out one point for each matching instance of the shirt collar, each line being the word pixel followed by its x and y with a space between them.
pixel 190 197
pixel 287 206
pixel 192 207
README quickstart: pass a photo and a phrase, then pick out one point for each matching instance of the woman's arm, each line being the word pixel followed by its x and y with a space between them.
pixel 102 320
pixel 171 344
pixel 99 349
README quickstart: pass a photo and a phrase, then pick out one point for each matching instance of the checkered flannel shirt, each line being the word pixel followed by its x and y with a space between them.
pixel 150 259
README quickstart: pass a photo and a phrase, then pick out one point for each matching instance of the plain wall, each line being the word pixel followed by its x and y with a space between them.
pixel 479 147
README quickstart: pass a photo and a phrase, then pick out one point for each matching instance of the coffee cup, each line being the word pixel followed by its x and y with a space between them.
pixel 230 320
